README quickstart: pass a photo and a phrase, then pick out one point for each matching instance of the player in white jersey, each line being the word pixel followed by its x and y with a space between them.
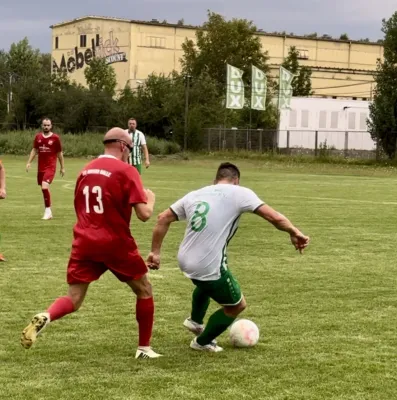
pixel 138 146
pixel 212 214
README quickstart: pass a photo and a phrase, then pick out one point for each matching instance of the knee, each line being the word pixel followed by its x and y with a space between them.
pixel 144 290
pixel 234 311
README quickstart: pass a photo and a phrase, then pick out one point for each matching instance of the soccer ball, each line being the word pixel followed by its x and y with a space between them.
pixel 244 333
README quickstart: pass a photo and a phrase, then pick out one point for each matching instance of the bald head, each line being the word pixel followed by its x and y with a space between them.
pixel 118 134
pixel 118 143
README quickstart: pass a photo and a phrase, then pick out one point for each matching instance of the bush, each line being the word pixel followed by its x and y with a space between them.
pixel 83 145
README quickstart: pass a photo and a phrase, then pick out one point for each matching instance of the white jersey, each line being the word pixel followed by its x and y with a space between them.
pixel 212 215
pixel 138 140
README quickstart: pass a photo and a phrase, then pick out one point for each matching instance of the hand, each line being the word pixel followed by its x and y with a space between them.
pixel 151 197
pixel 300 241
pixel 3 194
pixel 153 261
pixel 147 163
pixel 27 167
pixel 62 172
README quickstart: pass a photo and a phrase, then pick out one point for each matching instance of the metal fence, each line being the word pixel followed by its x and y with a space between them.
pixel 357 144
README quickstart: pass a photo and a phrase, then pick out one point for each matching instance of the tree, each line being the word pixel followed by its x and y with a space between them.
pixel 221 42
pixel 344 36
pixel 101 76
pixel 205 108
pixel 301 85
pixel 383 122
pixel 23 60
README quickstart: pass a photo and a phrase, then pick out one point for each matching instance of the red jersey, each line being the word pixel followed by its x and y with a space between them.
pixel 47 150
pixel 105 192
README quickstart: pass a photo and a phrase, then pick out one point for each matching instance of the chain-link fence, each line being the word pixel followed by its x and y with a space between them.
pixel 358 144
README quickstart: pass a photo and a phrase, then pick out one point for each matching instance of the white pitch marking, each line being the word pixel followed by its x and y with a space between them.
pixel 343 200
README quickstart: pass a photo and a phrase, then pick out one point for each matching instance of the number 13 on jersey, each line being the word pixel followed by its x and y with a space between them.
pixel 96 191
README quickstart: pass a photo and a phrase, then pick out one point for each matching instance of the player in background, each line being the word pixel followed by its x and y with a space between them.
pixel 212 214
pixel 139 145
pixel 47 146
pixel 106 191
pixel 3 193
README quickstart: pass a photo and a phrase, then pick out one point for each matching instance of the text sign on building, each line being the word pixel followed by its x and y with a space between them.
pixel 79 58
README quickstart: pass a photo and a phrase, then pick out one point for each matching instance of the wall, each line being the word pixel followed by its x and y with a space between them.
pixel 340 69
pixel 104 38
pixel 331 118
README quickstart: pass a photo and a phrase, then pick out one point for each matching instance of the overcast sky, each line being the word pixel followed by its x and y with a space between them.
pixel 357 18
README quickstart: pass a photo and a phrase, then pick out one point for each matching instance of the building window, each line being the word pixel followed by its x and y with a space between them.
pixel 303 54
pixel 363 121
pixel 334 119
pixel 323 120
pixel 352 121
pixel 97 40
pixel 83 40
pixel 154 41
pixel 305 119
pixel 57 42
pixel 292 118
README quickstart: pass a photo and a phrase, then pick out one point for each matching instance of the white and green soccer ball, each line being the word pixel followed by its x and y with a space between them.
pixel 244 333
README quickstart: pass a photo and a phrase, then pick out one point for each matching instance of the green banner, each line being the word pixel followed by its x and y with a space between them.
pixel 258 89
pixel 285 88
pixel 235 88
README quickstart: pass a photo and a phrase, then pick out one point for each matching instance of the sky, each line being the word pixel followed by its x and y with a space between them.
pixel 358 18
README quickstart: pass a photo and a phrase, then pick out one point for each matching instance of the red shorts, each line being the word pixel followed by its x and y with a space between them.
pixel 46 176
pixel 85 271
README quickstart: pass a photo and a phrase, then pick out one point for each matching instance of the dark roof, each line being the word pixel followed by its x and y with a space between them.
pixel 259 32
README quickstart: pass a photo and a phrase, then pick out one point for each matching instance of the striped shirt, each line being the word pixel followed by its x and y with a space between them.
pixel 138 140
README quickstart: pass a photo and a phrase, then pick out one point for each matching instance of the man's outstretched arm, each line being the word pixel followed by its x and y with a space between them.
pixel 164 220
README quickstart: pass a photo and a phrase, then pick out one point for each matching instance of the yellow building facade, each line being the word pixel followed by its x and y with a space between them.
pixel 135 49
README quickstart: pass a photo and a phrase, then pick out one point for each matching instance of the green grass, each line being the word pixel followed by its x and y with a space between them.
pixel 327 319
pixel 84 145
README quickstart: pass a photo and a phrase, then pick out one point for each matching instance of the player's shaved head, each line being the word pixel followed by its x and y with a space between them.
pixel 227 172
pixel 116 142
pixel 117 134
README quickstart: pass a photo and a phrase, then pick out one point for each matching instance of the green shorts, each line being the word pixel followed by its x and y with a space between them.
pixel 139 168
pixel 225 291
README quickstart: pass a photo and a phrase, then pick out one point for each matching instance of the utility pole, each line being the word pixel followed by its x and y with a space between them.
pixel 187 86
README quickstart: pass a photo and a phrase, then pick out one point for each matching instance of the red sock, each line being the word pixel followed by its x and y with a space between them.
pixel 47 197
pixel 60 307
pixel 145 316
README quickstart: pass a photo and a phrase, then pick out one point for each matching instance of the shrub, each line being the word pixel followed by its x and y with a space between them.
pixel 82 145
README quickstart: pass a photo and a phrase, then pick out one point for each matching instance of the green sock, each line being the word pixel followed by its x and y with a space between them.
pixel 217 324
pixel 200 303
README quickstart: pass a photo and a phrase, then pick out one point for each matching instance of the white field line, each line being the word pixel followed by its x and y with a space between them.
pixel 70 185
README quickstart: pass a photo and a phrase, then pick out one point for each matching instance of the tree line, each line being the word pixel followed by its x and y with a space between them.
pixel 29 89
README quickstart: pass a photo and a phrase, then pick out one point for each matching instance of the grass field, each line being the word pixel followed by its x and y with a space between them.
pixel 328 319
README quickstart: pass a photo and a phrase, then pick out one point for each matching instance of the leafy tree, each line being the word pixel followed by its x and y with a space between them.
pixel 221 42
pixel 344 36
pixel 301 85
pixel 23 60
pixel 101 76
pixel 383 122
pixel 205 108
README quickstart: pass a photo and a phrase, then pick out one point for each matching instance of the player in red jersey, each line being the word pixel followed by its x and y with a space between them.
pixel 2 191
pixel 47 146
pixel 106 191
